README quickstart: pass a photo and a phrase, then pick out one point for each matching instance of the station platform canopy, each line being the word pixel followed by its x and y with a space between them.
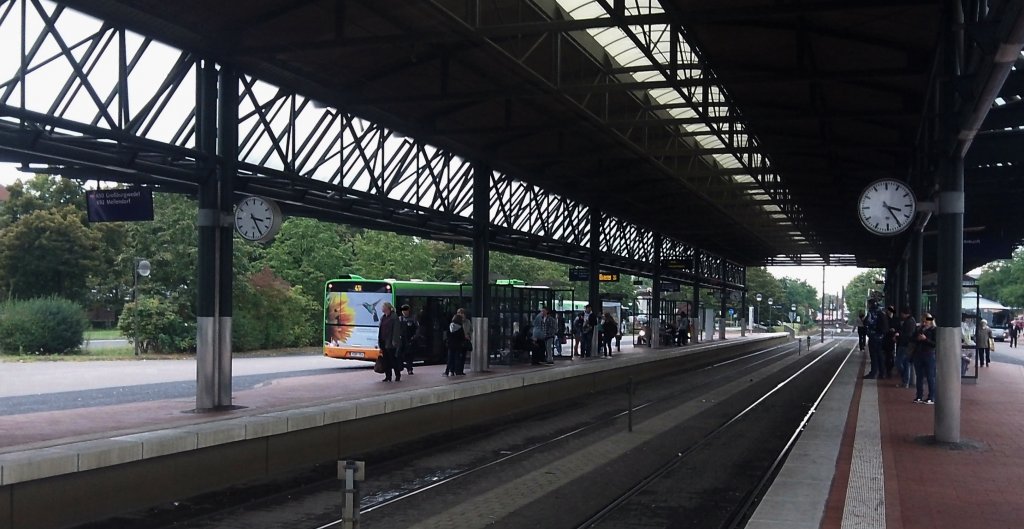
pixel 744 127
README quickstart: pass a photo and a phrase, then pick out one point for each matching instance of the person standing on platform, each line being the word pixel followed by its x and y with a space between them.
pixel 877 324
pixel 589 327
pixel 456 346
pixel 608 331
pixel 467 327
pixel 924 359
pixel 544 329
pixel 577 333
pixel 407 349
pixel 904 344
pixel 889 343
pixel 1014 332
pixel 389 339
pixel 683 332
pixel 862 331
pixel 985 344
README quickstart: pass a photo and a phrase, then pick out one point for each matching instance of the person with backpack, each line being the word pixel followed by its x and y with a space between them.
pixel 877 324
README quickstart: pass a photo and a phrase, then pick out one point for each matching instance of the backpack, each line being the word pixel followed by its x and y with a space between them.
pixel 871 322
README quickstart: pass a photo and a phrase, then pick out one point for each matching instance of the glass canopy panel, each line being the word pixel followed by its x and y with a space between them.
pixel 658 38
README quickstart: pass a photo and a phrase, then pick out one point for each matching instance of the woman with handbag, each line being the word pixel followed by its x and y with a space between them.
pixel 985 344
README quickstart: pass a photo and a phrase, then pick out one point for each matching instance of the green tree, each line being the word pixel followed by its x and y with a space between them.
pixel 858 289
pixel 41 192
pixel 798 292
pixel 109 284
pixel 307 252
pixel 170 243
pixel 271 313
pixel 452 262
pixel 530 270
pixel 48 252
pixel 1003 280
pixel 380 255
pixel 760 281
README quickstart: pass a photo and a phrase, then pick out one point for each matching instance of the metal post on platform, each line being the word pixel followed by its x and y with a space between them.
pixel 479 358
pixel 142 268
pixel 351 472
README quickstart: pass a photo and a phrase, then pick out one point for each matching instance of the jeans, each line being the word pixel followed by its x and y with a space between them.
pixel 877 358
pixel 924 364
pixel 903 363
pixel 587 343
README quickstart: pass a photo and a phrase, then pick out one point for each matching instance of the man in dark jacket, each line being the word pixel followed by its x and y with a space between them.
pixel 389 339
pixel 407 348
pixel 877 324
pixel 904 343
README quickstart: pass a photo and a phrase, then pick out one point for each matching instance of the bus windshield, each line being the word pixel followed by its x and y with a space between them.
pixel 352 313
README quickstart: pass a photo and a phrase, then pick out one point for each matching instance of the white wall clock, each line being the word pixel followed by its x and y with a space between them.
pixel 887 207
pixel 257 219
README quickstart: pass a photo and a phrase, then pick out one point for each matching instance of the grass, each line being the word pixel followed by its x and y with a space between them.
pixel 103 334
pixel 128 353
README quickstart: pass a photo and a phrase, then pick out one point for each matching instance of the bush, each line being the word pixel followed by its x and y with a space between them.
pixel 42 326
pixel 269 313
pixel 158 325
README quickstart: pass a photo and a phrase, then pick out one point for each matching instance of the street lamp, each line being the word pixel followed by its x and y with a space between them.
pixel 142 268
pixel 770 300
pixel 758 297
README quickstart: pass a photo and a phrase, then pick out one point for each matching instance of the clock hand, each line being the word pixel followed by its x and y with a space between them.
pixel 256 224
pixel 892 211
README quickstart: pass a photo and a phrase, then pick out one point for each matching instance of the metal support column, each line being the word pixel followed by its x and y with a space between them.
pixel 916 263
pixel 950 268
pixel 213 342
pixel 593 291
pixel 655 315
pixel 480 357
pixel 695 313
pixel 743 312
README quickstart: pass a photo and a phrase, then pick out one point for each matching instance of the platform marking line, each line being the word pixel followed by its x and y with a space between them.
pixel 865 491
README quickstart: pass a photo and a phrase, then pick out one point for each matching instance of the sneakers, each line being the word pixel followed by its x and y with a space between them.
pixel 929 401
pixel 918 401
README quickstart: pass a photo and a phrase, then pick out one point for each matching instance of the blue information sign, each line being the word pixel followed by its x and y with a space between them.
pixel 117 205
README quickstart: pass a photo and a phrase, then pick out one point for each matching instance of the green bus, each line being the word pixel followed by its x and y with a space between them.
pixel 352 309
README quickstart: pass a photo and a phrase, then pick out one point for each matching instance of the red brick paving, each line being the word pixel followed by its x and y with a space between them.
pixel 931 486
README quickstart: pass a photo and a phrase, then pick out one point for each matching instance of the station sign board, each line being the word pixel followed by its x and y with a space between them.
pixel 669 286
pixel 583 274
pixel 579 274
pixel 677 263
pixel 119 205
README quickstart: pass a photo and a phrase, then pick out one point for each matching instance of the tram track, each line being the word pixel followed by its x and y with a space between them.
pixel 743 510
pixel 407 492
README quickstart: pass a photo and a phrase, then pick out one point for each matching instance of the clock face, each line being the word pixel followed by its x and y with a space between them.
pixel 887 207
pixel 257 219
